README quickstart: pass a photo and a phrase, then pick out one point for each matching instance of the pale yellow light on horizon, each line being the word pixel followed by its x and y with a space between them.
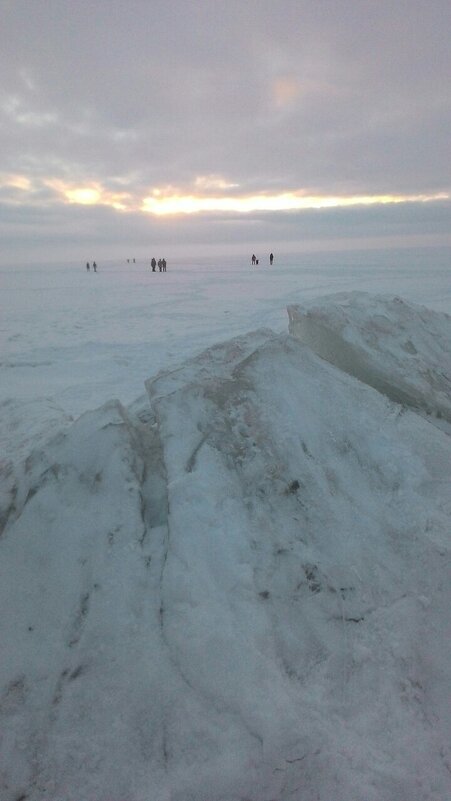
pixel 90 195
pixel 160 204
pixel 84 196
pixel 172 201
pixel 16 182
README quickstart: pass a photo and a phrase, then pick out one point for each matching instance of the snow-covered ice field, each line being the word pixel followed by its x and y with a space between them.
pixel 70 341
pixel 225 558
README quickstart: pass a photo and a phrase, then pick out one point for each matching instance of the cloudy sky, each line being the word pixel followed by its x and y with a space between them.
pixel 127 126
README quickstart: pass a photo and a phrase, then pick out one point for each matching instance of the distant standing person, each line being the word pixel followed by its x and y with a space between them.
pixel 87 266
pixel 253 258
pixel 153 264
pixel 163 264
pixel 94 266
pixel 271 258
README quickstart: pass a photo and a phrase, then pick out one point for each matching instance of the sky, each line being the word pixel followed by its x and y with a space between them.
pixel 132 127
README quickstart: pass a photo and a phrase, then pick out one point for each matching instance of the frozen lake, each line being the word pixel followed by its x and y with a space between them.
pixel 72 340
pixel 233 582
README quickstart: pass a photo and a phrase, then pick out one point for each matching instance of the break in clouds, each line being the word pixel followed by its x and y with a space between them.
pixel 125 105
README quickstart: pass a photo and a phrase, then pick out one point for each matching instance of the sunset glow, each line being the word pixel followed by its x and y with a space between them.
pixel 89 195
pixel 86 197
pixel 160 204
pixel 207 194
pixel 16 182
pixel 240 124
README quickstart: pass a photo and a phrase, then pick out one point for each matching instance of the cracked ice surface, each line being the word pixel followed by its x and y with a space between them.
pixel 239 592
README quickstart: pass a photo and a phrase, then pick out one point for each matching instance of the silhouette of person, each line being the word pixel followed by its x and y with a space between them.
pixel 94 265
pixel 163 265
pixel 271 258
pixel 253 258
pixel 153 264
pixel 87 266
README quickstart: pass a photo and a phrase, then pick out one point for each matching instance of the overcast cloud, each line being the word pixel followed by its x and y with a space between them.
pixel 218 98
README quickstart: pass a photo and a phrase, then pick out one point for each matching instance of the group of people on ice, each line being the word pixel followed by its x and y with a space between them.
pixel 254 259
pixel 161 265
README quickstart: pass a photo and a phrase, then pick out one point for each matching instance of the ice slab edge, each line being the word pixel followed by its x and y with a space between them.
pixel 399 348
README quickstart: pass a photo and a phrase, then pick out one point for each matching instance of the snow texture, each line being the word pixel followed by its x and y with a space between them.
pixel 238 589
pixel 397 347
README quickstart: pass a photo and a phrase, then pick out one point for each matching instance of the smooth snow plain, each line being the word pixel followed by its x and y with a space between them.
pixel 225 549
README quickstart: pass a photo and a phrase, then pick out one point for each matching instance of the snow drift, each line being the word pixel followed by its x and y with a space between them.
pixel 237 592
